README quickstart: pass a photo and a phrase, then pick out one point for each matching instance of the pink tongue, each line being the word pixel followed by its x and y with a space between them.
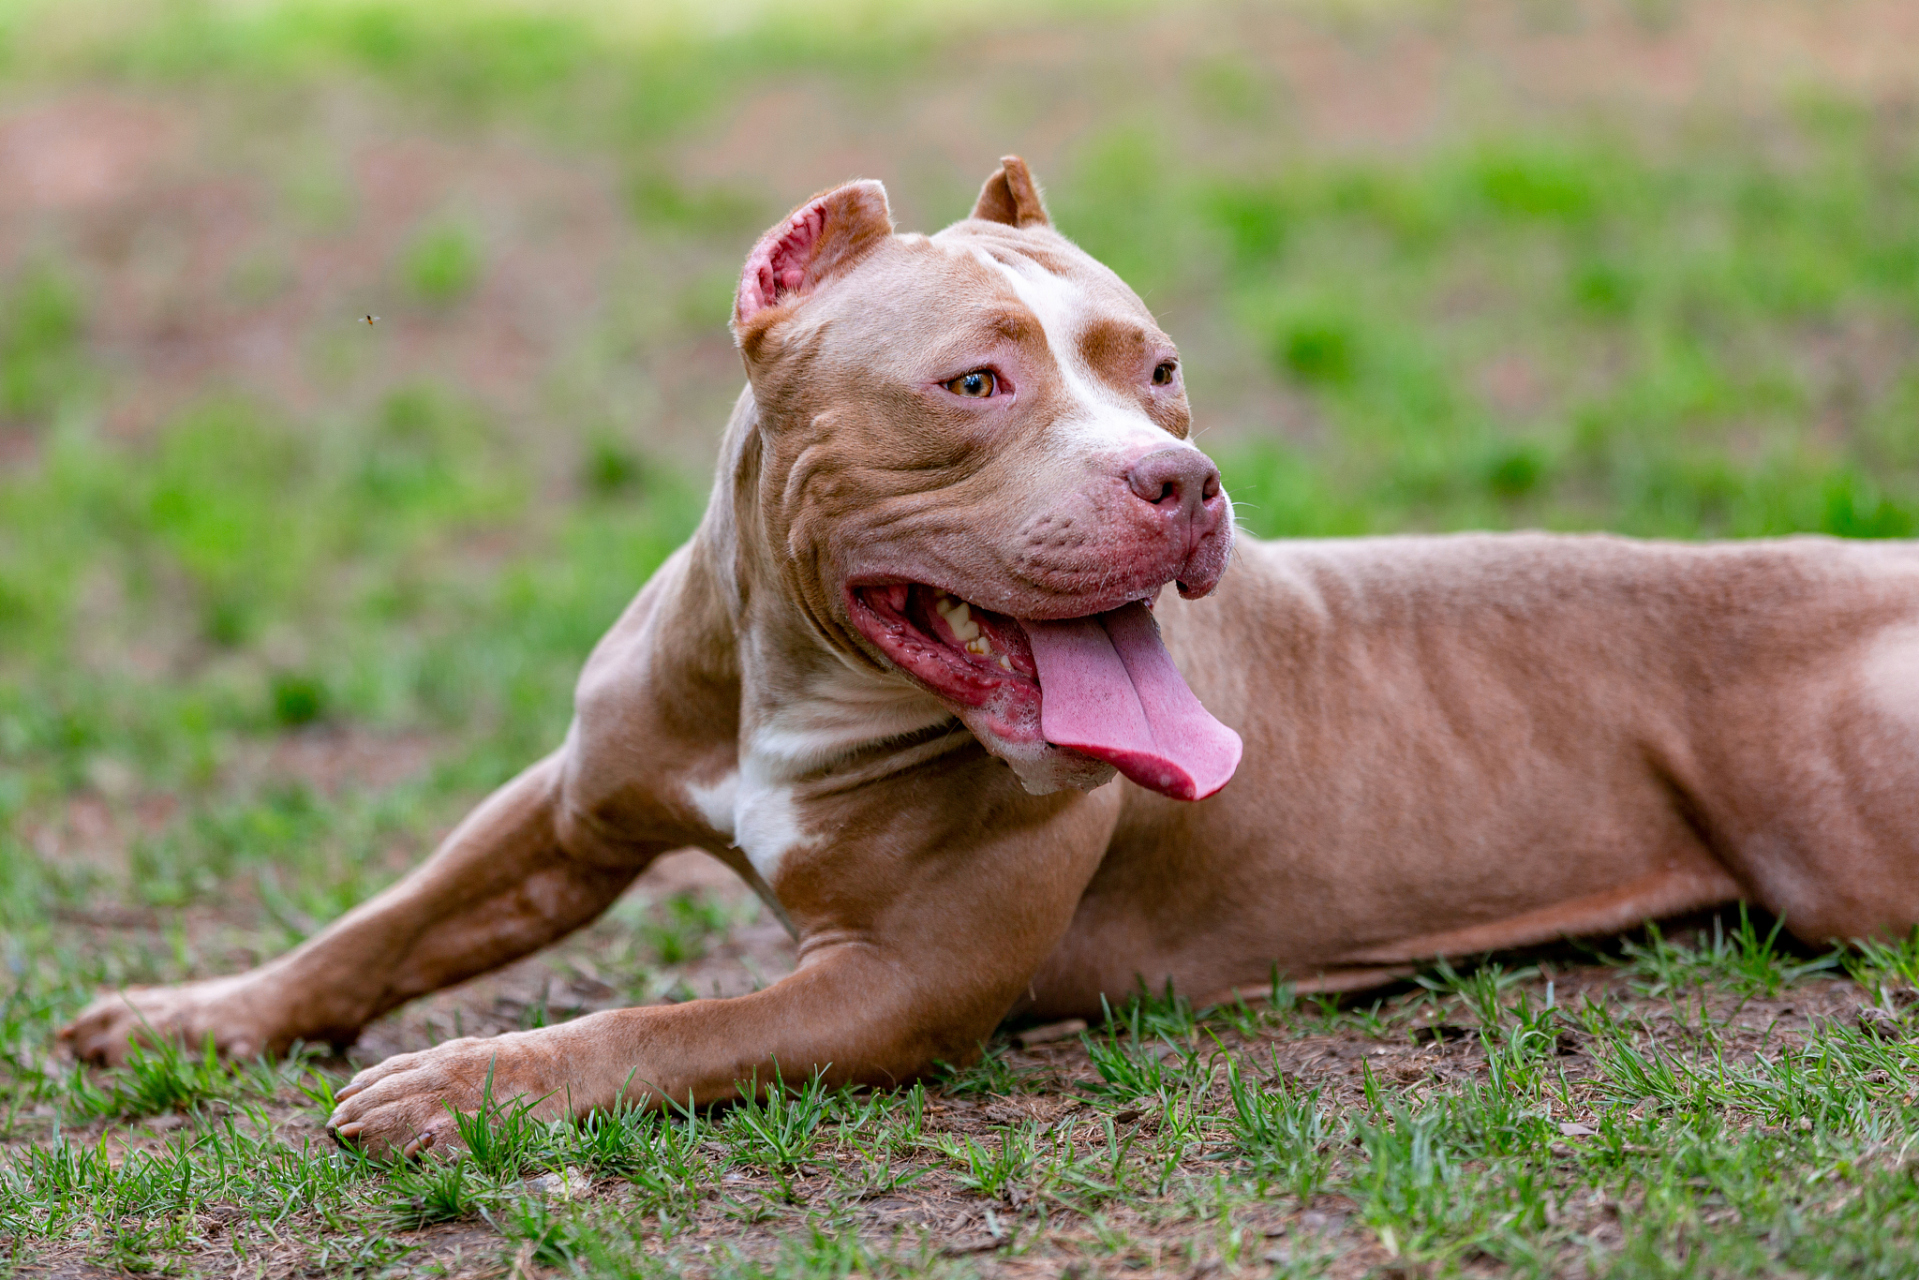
pixel 1109 688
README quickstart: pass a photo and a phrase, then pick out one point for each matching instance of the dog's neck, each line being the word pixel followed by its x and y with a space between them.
pixel 805 704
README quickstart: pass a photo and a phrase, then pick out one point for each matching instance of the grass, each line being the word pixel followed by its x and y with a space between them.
pixel 261 641
pixel 1632 1134
pixel 1687 280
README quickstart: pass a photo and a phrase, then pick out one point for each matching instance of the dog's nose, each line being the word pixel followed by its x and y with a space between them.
pixel 1182 483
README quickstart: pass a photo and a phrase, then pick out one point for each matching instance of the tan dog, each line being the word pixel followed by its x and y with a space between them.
pixel 891 677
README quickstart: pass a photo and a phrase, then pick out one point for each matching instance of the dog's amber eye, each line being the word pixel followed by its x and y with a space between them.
pixel 976 385
pixel 1164 374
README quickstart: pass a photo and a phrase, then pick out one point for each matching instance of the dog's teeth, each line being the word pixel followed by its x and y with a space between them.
pixel 960 619
pixel 1006 662
pixel 979 644
pixel 959 616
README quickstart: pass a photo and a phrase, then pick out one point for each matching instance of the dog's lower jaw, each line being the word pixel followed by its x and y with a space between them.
pixel 1057 770
pixel 1041 767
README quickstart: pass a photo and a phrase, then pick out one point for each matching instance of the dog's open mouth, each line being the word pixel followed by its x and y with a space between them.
pixel 1102 684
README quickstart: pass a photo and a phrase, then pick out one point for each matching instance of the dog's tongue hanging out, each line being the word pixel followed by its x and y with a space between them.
pixel 1108 688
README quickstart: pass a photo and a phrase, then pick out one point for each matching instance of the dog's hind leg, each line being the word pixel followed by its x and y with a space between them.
pixel 1821 817
pixel 500 886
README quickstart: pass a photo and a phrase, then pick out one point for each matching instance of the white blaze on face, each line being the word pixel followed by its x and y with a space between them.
pixel 1108 421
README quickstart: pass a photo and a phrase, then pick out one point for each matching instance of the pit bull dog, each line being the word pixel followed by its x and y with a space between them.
pixel 925 623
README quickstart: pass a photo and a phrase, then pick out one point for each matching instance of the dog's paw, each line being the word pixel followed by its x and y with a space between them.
pixel 406 1104
pixel 228 1009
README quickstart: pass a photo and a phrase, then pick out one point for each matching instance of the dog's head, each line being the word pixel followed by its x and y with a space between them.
pixel 974 470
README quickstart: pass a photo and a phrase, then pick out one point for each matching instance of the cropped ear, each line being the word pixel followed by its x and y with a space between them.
pixel 824 236
pixel 1011 196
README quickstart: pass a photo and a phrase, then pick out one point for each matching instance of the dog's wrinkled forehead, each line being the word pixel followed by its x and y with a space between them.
pixel 968 278
pixel 1042 267
pixel 836 308
pixel 1092 322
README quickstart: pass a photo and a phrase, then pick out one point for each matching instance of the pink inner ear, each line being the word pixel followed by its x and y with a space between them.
pixel 779 261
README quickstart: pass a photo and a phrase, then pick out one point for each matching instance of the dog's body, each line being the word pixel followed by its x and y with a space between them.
pixel 1450 745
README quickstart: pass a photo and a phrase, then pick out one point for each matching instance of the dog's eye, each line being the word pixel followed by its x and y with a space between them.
pixel 977 385
pixel 1163 375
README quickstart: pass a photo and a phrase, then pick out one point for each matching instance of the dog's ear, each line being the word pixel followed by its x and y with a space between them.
pixel 1011 196
pixel 821 238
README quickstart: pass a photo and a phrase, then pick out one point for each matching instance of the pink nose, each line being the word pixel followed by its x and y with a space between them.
pixel 1183 485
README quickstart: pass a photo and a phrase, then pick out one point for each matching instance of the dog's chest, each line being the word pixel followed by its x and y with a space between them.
pixel 833 714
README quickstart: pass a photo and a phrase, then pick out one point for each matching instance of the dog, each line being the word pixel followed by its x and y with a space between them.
pixel 920 680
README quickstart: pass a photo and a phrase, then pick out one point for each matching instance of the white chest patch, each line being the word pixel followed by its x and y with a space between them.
pixel 766 820
pixel 756 813
pixel 756 807
pixel 717 803
pixel 758 819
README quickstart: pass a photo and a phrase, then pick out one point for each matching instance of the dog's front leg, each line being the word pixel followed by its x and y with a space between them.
pixel 499 887
pixel 914 945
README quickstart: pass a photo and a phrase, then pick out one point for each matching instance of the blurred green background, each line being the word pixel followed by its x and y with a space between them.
pixel 282 592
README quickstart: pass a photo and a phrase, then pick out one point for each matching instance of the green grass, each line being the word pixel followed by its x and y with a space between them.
pixel 1704 326
pixel 1654 308
pixel 1695 1152
pixel 442 266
